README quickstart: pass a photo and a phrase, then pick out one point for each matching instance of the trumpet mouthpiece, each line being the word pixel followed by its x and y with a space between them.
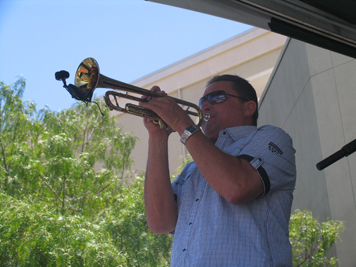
pixel 206 117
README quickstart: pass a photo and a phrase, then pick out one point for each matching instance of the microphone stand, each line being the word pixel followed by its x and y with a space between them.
pixel 343 152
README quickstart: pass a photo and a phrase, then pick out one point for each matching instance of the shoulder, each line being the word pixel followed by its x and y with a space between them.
pixel 273 133
pixel 270 128
pixel 277 143
pixel 270 138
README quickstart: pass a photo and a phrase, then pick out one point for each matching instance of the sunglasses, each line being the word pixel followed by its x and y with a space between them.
pixel 217 97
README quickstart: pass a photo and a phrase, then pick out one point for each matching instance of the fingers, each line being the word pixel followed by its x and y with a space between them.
pixel 166 108
pixel 147 121
pixel 154 89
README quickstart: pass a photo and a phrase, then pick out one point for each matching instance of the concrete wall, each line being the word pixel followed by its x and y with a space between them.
pixel 311 95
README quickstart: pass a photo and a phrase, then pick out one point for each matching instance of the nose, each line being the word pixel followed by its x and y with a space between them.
pixel 206 106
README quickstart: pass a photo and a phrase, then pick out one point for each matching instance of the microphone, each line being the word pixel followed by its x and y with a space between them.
pixel 61 75
pixel 75 91
pixel 343 152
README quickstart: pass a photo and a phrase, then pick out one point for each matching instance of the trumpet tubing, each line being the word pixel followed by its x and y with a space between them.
pixel 88 78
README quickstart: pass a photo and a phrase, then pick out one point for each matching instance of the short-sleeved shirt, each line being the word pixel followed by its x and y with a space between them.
pixel 210 231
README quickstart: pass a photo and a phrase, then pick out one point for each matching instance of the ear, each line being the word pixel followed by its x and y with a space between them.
pixel 250 108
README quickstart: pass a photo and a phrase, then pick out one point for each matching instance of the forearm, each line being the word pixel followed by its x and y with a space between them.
pixel 234 179
pixel 161 208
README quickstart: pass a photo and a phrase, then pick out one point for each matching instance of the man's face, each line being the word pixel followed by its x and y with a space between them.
pixel 224 115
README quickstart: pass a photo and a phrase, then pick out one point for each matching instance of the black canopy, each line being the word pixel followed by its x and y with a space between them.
pixel 328 24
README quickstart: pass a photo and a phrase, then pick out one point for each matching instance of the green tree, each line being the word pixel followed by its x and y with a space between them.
pixel 15 123
pixel 34 235
pixel 311 240
pixel 63 196
pixel 75 157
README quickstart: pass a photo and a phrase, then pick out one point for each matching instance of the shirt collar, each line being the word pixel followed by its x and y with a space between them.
pixel 238 132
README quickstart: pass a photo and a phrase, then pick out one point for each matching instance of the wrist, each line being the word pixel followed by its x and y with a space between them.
pixel 188 132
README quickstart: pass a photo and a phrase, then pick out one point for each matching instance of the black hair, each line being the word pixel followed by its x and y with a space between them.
pixel 242 87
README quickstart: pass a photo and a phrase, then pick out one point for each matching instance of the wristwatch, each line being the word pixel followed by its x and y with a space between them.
pixel 192 129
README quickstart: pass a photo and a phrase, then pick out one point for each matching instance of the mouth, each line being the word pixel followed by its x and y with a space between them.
pixel 206 117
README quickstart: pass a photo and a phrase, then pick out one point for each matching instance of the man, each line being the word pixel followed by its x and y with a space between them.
pixel 231 206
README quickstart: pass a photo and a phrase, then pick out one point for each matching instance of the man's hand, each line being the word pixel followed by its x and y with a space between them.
pixel 168 110
pixel 152 128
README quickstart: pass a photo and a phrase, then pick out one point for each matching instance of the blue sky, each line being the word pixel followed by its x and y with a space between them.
pixel 128 38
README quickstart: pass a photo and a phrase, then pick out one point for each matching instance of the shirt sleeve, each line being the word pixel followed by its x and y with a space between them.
pixel 271 153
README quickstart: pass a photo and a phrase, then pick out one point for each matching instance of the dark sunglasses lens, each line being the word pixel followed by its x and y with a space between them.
pixel 213 98
pixel 217 99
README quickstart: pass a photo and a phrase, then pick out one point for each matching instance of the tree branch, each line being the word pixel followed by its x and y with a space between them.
pixel 3 155
pixel 5 163
pixel 58 197
pixel 103 189
pixel 311 252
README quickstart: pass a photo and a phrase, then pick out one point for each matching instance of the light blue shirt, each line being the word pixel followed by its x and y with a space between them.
pixel 212 232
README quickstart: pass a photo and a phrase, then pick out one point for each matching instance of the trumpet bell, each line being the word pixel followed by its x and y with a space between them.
pixel 87 76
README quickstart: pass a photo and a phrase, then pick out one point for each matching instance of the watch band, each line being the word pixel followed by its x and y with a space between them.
pixel 192 129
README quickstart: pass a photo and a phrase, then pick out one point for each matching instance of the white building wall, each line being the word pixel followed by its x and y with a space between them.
pixel 311 96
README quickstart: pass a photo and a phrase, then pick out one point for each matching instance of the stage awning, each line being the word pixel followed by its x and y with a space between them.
pixel 329 24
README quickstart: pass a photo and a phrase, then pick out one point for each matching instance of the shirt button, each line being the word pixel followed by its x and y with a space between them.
pixel 197 200
pixel 190 223
pixel 184 249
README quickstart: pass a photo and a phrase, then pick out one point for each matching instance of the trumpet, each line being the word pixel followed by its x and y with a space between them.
pixel 88 78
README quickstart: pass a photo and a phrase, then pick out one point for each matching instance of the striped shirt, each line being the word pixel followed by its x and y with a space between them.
pixel 212 232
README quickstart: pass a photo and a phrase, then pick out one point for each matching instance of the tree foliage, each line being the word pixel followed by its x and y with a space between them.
pixel 117 235
pixel 64 200
pixel 53 155
pixel 311 240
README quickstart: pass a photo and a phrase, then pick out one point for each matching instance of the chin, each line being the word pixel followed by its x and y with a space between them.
pixel 213 137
